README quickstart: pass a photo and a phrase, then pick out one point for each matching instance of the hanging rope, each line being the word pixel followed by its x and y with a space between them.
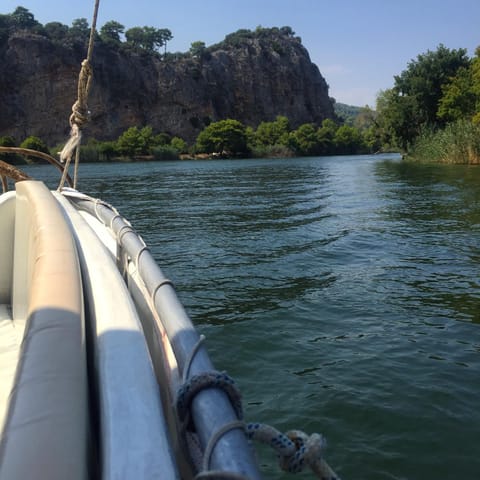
pixel 80 113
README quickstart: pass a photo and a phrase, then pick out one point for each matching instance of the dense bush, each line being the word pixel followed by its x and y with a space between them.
pixel 226 137
pixel 35 143
pixel 165 152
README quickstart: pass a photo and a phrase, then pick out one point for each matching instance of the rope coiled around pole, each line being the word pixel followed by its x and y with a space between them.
pixel 295 449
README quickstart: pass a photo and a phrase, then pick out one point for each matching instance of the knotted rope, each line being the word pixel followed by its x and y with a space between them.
pixel 296 450
pixel 80 113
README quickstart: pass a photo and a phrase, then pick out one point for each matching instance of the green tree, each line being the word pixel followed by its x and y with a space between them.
pixel 79 31
pixel 476 84
pixel 412 104
pixel 162 139
pixel 397 120
pixel 56 31
pixel 22 18
pixel 365 119
pixel 179 144
pixel 148 38
pixel 424 78
pixel 134 36
pixel 459 100
pixel 35 143
pixel 151 39
pixel 135 141
pixel 461 96
pixel 111 32
pixel 7 141
pixel 371 139
pixel 273 133
pixel 304 140
pixel 348 140
pixel 164 35
pixel 326 137
pixel 197 49
pixel 226 136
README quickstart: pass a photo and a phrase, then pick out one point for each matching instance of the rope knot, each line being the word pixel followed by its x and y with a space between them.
pixel 80 113
pixel 295 449
pixel 307 450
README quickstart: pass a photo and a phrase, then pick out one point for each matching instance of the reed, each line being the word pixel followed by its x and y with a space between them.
pixel 457 143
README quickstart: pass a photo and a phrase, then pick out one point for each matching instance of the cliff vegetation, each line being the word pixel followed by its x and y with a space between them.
pixel 251 76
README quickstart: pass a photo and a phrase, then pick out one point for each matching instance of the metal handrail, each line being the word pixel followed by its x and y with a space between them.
pixel 211 409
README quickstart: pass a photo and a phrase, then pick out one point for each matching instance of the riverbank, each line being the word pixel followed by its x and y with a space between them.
pixel 458 143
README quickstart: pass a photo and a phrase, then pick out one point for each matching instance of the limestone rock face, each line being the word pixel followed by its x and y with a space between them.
pixel 250 78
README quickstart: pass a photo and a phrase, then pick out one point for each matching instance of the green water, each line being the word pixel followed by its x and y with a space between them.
pixel 342 293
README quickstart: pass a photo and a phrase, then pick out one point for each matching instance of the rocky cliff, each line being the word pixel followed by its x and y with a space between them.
pixel 251 77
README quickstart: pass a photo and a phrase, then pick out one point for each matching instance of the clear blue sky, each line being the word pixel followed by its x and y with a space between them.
pixel 358 45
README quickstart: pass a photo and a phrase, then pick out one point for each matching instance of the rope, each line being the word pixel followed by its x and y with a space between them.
pixel 295 449
pixel 9 171
pixel 80 113
pixel 202 381
pixel 191 356
pixel 186 394
pixel 27 152
pixel 214 440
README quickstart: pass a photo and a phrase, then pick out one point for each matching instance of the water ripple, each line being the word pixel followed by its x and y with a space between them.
pixel 342 293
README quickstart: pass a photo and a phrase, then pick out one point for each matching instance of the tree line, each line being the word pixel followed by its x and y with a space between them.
pixel 432 112
pixel 112 33
pixel 224 138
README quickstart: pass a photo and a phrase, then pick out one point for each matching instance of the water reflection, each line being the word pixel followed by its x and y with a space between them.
pixel 433 213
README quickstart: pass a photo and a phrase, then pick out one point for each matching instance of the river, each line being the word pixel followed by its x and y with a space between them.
pixel 342 294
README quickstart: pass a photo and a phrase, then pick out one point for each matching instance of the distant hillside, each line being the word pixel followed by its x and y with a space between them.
pixel 252 76
pixel 348 113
